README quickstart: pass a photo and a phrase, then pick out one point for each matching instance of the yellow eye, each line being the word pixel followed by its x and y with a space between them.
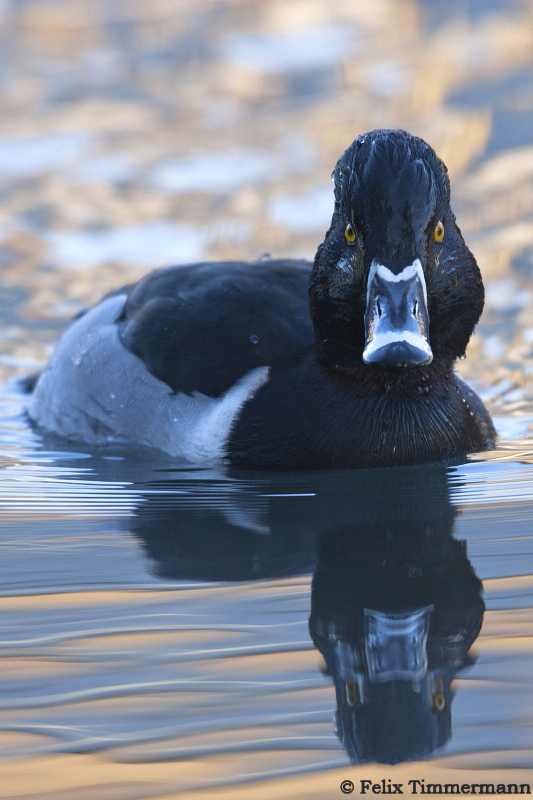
pixel 349 233
pixel 438 233
pixel 439 702
pixel 351 692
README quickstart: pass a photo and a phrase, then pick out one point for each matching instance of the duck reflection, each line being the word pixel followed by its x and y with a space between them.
pixel 395 602
pixel 395 608
pixel 214 528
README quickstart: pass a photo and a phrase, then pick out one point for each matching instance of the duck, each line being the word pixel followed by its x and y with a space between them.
pixel 284 364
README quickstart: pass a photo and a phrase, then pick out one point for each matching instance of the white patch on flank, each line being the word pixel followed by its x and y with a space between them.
pixel 213 426
pixel 96 391
pixel 405 275
pixel 394 337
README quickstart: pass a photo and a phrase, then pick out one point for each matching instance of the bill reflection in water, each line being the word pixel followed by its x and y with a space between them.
pixel 395 602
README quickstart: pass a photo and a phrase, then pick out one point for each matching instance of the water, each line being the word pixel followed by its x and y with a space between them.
pixel 172 630
pixel 157 614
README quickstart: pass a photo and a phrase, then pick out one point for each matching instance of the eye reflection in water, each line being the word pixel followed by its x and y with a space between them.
pixel 395 602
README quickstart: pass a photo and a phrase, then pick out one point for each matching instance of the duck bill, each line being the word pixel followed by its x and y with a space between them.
pixel 396 644
pixel 396 318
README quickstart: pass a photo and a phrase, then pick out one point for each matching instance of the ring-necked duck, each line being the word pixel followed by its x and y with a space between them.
pixel 222 362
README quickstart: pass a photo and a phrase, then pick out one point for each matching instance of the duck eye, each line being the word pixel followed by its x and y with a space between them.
pixel 351 692
pixel 438 233
pixel 349 233
pixel 439 702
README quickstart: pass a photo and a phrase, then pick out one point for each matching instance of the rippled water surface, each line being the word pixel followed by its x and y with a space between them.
pixel 167 629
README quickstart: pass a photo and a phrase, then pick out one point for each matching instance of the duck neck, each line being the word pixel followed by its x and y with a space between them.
pixel 375 379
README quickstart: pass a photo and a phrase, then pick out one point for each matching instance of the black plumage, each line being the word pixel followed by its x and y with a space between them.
pixel 341 391
pixel 201 327
pixel 340 411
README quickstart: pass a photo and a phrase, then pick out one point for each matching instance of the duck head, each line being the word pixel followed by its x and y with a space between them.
pixel 393 284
